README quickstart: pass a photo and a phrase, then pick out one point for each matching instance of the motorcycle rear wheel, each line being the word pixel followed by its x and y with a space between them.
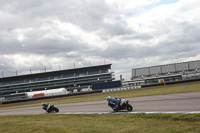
pixel 129 107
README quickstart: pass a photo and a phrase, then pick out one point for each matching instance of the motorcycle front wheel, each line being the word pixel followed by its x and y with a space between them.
pixel 116 110
pixel 56 109
pixel 129 107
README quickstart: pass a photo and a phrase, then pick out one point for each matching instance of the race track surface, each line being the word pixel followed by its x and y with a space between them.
pixel 181 102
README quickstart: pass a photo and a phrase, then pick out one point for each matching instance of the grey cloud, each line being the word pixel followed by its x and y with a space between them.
pixel 122 51
pixel 119 28
pixel 138 36
pixel 89 15
pixel 176 39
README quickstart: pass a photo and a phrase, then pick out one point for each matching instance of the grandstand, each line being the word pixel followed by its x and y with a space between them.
pixel 69 79
pixel 166 73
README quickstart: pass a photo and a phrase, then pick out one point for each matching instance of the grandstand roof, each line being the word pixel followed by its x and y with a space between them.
pixel 59 72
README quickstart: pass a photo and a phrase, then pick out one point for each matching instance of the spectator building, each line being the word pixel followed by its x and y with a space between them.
pixel 70 79
pixel 165 73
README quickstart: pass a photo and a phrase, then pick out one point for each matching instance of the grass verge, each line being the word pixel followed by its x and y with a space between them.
pixel 118 123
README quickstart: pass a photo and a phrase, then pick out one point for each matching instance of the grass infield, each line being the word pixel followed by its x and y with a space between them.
pixel 118 123
pixel 112 123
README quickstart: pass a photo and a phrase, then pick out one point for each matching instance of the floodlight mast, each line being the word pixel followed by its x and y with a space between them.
pixel 44 69
pixel 16 73
pixel 2 75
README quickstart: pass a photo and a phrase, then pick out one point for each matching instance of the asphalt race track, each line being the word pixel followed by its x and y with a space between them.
pixel 170 103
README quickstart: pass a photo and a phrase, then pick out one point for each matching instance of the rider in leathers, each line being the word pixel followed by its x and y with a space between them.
pixel 46 106
pixel 114 102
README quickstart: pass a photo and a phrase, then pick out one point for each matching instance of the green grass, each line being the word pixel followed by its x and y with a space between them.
pixel 180 88
pixel 112 123
pixel 118 123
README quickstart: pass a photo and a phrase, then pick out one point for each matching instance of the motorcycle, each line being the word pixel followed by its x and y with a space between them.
pixel 49 107
pixel 125 105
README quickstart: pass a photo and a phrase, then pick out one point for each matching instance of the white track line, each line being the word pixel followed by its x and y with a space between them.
pixel 160 112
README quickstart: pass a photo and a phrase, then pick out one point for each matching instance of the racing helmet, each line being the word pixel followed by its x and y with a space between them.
pixel 108 98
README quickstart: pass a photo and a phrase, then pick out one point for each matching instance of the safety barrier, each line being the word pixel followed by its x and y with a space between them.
pixel 121 89
pixel 39 95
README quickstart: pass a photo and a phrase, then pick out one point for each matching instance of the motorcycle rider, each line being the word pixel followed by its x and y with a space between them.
pixel 115 102
pixel 46 106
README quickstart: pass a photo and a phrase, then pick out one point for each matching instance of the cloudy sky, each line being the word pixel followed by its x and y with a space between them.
pixel 126 33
